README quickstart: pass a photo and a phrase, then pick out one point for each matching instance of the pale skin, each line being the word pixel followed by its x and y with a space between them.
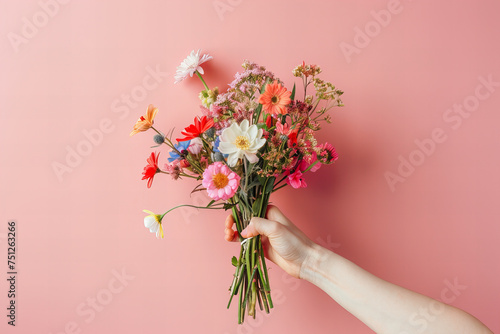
pixel 382 306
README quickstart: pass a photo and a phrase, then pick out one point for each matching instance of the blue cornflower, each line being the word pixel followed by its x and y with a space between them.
pixel 216 144
pixel 182 146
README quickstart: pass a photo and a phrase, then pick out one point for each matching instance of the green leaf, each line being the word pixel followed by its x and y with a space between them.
pixel 259 108
pixel 234 261
pixel 262 180
pixel 292 97
pixel 256 114
pixel 269 185
pixel 256 206
pixel 263 88
pixel 211 202
pixel 252 184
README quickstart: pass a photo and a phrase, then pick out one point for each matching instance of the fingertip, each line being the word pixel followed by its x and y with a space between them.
pixel 250 230
pixel 244 233
pixel 229 221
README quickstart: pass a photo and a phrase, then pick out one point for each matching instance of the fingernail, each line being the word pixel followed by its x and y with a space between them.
pixel 244 233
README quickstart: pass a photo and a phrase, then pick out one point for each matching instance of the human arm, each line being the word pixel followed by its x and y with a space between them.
pixel 382 306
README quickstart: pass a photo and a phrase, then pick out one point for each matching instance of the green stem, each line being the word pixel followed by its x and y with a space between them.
pixel 263 293
pixel 158 132
pixel 249 291
pixel 282 179
pixel 267 288
pixel 181 174
pixel 203 81
pixel 241 310
pixel 304 80
pixel 283 185
pixel 237 283
pixel 192 206
pixel 236 216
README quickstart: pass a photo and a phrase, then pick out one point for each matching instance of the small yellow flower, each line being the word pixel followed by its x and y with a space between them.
pixel 153 222
pixel 144 123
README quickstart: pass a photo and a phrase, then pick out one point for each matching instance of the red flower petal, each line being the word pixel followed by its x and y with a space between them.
pixel 196 129
pixel 151 169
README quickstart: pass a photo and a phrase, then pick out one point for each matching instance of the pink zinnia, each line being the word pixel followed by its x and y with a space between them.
pixel 220 181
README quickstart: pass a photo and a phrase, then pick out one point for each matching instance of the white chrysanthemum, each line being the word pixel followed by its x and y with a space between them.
pixel 153 222
pixel 241 140
pixel 190 65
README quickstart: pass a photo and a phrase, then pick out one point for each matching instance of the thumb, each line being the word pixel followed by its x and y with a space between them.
pixel 260 226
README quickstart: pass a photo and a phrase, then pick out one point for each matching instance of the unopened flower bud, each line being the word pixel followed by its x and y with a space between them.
pixel 218 156
pixel 159 139
pixel 210 132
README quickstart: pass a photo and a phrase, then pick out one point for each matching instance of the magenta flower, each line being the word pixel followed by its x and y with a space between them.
pixel 296 180
pixel 221 182
pixel 327 153
pixel 311 160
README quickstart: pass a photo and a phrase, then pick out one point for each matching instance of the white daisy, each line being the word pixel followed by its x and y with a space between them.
pixel 190 65
pixel 153 222
pixel 241 140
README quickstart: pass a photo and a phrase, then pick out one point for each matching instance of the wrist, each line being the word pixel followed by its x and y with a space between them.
pixel 311 269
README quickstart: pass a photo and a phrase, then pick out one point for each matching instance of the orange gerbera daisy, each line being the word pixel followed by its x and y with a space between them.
pixel 144 123
pixel 275 99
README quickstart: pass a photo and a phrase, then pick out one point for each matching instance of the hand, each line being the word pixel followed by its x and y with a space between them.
pixel 282 241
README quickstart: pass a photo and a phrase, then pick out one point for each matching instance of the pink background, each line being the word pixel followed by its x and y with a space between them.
pixel 74 233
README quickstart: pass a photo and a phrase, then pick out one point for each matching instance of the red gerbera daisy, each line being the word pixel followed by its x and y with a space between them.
pixel 196 129
pixel 151 169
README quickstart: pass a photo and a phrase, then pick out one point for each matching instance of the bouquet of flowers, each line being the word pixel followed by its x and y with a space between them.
pixel 249 142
